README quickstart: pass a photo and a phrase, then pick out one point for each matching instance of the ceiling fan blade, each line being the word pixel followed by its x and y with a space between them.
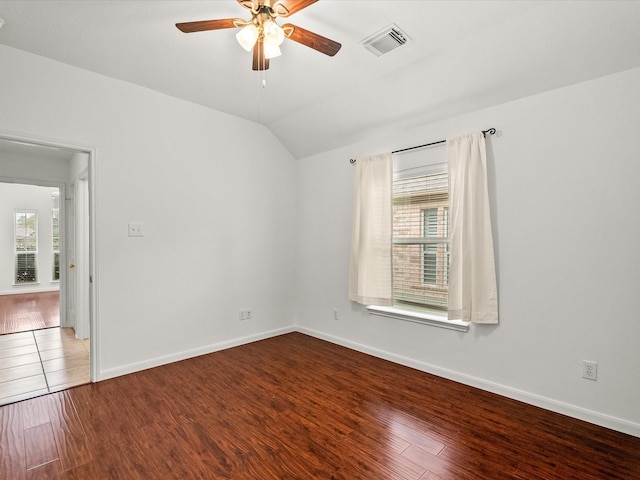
pixel 259 62
pixel 312 40
pixel 204 25
pixel 294 6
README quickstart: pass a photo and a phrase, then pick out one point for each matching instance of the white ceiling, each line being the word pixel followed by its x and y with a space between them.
pixel 463 56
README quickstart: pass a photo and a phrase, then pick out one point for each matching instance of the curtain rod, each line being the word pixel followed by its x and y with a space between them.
pixel 490 131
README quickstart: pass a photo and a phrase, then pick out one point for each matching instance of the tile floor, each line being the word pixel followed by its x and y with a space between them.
pixel 41 361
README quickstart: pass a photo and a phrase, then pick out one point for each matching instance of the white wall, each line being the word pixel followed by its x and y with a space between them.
pixel 18 197
pixel 564 183
pixel 214 195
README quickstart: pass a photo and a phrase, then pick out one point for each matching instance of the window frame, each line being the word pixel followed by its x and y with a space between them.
pixel 55 239
pixel 429 317
pixel 415 194
pixel 26 251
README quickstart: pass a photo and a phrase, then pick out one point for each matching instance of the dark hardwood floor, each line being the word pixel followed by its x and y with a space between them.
pixel 295 407
pixel 29 311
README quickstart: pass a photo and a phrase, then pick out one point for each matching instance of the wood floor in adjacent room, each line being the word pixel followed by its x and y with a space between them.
pixel 295 407
pixel 29 311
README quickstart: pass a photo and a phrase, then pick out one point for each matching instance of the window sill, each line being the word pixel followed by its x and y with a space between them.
pixel 426 318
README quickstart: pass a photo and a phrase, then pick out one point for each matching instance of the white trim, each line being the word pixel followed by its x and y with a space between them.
pixel 426 318
pixel 23 288
pixel 93 265
pixel 195 352
pixel 563 408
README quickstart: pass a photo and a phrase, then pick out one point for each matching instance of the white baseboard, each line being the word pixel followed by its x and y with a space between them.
pixel 176 357
pixel 574 411
pixel 20 290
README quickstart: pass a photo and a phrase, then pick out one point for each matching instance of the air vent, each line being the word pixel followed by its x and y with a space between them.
pixel 384 41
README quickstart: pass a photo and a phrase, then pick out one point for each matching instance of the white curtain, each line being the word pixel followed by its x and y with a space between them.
pixel 473 294
pixel 370 267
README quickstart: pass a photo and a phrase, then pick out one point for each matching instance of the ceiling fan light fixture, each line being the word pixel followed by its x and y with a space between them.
pixel 271 50
pixel 248 36
pixel 273 32
pixel 261 34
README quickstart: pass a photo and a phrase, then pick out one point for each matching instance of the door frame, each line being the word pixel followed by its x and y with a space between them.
pixel 92 270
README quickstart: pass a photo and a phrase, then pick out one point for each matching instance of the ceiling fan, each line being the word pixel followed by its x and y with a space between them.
pixel 261 32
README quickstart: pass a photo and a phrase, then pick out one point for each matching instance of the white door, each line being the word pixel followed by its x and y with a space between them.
pixel 81 257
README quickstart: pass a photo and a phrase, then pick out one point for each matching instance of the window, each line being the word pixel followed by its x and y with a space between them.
pixel 55 235
pixel 404 273
pixel 26 247
pixel 421 241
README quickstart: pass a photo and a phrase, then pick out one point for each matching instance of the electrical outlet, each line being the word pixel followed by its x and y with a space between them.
pixel 335 314
pixel 241 315
pixel 135 230
pixel 589 370
pixel 245 314
pixel 248 314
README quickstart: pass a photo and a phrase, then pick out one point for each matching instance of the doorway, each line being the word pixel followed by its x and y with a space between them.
pixel 31 161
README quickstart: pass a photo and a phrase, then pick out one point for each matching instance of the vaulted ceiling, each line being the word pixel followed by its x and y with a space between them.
pixel 461 56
